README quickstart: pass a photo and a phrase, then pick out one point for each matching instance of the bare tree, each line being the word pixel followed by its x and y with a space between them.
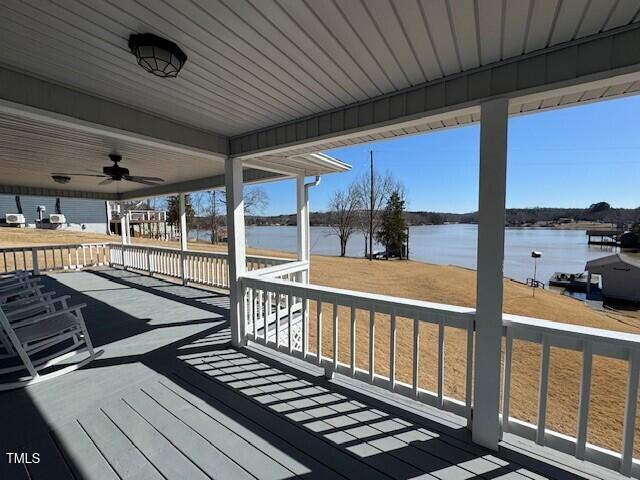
pixel 383 186
pixel 255 201
pixel 344 206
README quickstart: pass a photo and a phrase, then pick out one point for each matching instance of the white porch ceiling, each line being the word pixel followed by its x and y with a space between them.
pixel 32 149
pixel 255 63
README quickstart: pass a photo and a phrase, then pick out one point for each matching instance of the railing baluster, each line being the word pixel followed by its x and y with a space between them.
pixel 392 351
pixel 440 386
pixel 583 406
pixel 256 312
pixel 335 334
pixel 278 319
pixel 268 314
pixel 544 386
pixel 468 397
pixel 290 321
pixel 416 352
pixel 353 339
pixel 319 330
pixel 506 380
pixel 372 343
pixel 631 404
pixel 250 312
pixel 305 326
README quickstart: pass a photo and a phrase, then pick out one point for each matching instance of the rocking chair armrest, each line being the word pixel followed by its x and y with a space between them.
pixel 44 316
pixel 38 303
pixel 29 300
pixel 42 304
pixel 17 288
pixel 19 275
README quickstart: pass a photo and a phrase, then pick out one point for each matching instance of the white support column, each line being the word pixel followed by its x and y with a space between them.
pixel 303 224
pixel 493 177
pixel 123 224
pixel 127 229
pixel 236 245
pixel 183 239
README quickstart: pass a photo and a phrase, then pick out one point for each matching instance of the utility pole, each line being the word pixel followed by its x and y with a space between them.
pixel 371 209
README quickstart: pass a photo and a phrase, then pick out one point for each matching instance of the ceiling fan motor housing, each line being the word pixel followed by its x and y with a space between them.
pixel 116 172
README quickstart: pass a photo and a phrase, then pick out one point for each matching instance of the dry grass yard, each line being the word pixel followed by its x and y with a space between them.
pixel 451 285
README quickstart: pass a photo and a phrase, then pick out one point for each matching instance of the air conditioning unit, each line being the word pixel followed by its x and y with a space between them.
pixel 57 218
pixel 15 218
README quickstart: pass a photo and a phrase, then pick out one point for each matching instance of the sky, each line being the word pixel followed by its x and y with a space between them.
pixel 570 157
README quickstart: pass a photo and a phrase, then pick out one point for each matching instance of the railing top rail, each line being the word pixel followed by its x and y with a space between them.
pixel 578 332
pixel 61 245
pixel 203 252
pixel 281 269
pixel 351 296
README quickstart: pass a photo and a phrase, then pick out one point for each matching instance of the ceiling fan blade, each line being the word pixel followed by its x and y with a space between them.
pixel 135 178
pixel 106 181
pixel 78 174
pixel 140 180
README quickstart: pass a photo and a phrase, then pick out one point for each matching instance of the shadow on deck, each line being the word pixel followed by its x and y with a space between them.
pixel 171 399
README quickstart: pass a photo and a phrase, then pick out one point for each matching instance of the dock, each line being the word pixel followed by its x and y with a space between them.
pixel 604 237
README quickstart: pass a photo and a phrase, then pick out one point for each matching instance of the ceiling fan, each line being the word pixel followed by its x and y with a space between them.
pixel 111 173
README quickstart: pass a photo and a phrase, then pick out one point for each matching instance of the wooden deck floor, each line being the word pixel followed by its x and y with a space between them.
pixel 170 399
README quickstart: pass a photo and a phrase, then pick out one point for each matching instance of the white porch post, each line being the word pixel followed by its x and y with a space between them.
pixel 123 224
pixel 236 245
pixel 303 224
pixel 127 224
pixel 493 172
pixel 183 239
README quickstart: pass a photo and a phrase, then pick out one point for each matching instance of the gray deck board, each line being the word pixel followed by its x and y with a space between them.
pixel 166 458
pixel 262 439
pixel 169 418
pixel 170 398
pixel 52 463
pixel 121 453
pixel 228 442
pixel 83 457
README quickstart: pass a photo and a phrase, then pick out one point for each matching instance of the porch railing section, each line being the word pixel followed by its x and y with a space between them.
pixel 197 267
pixel 282 311
pixel 589 342
pixel 44 258
pixel 279 314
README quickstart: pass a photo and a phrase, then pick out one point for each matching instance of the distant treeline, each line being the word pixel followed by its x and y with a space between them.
pixel 598 212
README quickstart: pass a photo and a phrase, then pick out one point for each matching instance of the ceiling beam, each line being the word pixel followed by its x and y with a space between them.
pixel 209 183
pixel 29 96
pixel 588 59
pixel 54 192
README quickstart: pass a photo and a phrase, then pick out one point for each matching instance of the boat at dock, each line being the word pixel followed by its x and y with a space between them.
pixel 576 282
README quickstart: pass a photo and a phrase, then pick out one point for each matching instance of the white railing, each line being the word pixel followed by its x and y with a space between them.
pixel 283 314
pixel 589 342
pixel 142 215
pixel 42 258
pixel 279 315
pixel 197 267
pixel 282 311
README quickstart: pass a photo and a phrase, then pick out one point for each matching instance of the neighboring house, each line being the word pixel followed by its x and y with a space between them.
pixel 79 213
pixel 620 275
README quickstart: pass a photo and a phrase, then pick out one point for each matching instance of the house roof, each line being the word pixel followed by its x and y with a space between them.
pixel 271 80
pixel 630 259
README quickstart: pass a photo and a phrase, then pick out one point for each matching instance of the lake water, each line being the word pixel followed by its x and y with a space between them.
pixel 562 250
